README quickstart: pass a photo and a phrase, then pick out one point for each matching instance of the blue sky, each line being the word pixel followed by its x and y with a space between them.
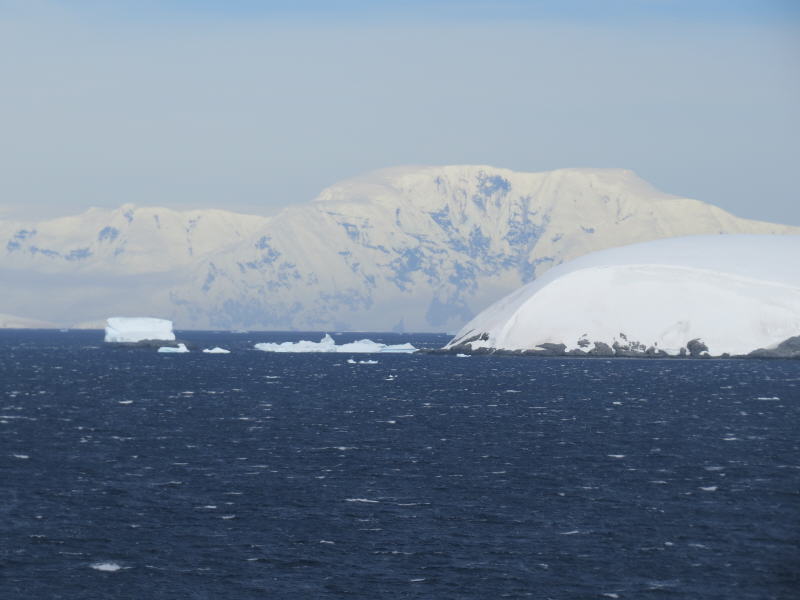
pixel 253 105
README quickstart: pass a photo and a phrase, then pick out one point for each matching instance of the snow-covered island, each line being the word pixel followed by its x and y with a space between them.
pixel 139 330
pixel 699 296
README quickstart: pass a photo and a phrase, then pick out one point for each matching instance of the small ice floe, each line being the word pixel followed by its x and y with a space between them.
pixel 180 349
pixel 616 456
pixel 326 542
pixel 417 580
pixel 228 517
pixel 710 488
pixel 21 456
pixel 610 595
pixel 462 355
pixel 573 532
pixel 125 402
pixel 107 566
pixel 216 350
pixel 364 500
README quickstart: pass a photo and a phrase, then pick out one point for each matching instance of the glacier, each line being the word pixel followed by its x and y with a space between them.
pixel 328 344
pixel 696 295
pixel 401 249
pixel 138 329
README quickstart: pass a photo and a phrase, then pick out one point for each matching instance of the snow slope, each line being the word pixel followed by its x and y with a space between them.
pixel 735 293
pixel 412 248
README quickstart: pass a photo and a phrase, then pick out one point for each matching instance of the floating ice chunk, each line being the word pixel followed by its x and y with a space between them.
pixel 462 355
pixel 106 566
pixel 137 329
pixel 171 350
pixel 710 488
pixel 21 456
pixel 216 350
pixel 327 344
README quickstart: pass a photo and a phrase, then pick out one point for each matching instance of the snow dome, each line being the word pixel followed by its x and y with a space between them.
pixel 731 293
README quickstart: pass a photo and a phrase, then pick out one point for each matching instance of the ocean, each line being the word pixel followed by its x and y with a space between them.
pixel 130 474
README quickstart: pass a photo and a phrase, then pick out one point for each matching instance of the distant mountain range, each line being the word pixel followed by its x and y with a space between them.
pixel 418 249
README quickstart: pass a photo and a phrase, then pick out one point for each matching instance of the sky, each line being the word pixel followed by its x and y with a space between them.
pixel 252 105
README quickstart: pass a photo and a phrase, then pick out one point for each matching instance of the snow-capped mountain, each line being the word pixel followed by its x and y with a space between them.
pixel 408 248
pixel 729 294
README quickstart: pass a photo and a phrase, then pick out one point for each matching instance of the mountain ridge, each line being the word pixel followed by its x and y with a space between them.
pixel 418 248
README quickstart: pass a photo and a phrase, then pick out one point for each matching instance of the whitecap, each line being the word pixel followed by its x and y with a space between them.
pixel 710 488
pixel 22 456
pixel 366 500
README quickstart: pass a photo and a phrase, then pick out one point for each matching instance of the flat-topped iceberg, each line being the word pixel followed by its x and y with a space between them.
pixel 138 329
pixel 327 344
pixel 216 350
pixel 698 295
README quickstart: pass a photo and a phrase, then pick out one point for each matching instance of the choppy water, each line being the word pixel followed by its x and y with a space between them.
pixel 129 474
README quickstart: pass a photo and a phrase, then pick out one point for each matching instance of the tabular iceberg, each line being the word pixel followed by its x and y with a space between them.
pixel 138 329
pixel 697 295
pixel 327 344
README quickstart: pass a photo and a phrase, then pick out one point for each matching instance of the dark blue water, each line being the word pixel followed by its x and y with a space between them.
pixel 256 475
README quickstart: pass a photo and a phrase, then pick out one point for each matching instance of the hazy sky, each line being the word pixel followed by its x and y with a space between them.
pixel 250 105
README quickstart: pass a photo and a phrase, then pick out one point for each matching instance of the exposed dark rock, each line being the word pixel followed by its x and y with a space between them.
pixel 786 349
pixel 696 348
pixel 547 349
pixel 601 349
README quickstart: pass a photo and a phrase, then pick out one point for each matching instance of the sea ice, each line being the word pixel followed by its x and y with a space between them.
pixel 172 350
pixel 137 329
pixel 216 350
pixel 327 344
pixel 106 566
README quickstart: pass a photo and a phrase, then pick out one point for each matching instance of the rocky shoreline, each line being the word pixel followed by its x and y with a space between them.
pixel 694 349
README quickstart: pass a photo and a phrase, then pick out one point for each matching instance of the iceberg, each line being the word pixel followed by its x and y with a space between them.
pixel 327 344
pixel 138 329
pixel 216 350
pixel 179 349
pixel 696 295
